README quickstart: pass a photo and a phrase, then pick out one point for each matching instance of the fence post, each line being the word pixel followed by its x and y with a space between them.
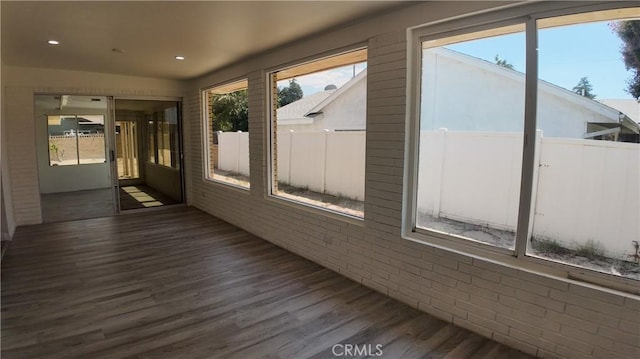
pixel 238 139
pixel 323 185
pixel 219 149
pixel 290 156
pixel 535 181
pixel 442 132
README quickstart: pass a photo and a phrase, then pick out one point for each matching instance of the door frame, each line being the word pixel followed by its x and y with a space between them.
pixel 112 100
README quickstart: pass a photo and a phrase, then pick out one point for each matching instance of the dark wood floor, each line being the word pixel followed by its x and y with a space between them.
pixel 178 283
pixel 67 206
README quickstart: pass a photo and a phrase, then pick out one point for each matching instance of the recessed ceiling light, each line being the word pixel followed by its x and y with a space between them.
pixel 53 42
pixel 180 58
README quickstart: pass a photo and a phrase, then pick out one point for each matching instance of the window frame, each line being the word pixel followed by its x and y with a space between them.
pixel 175 162
pixel 77 138
pixel 270 87
pixel 206 138
pixel 529 15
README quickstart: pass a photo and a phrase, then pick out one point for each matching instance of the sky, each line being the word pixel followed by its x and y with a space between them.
pixel 566 54
pixel 315 82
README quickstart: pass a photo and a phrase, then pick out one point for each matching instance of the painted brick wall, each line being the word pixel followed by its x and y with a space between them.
pixel 538 314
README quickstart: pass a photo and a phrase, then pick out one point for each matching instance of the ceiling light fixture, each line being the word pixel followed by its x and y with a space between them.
pixel 53 42
pixel 180 58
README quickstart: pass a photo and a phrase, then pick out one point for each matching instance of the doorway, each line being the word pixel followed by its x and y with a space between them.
pixel 148 153
pixel 73 168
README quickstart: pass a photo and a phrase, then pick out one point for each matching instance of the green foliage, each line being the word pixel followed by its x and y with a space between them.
pixel 591 250
pixel 629 33
pixel 289 94
pixel 229 112
pixel 503 62
pixel 55 149
pixel 584 88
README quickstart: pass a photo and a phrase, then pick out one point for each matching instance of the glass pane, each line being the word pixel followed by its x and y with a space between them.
pixel 586 189
pixel 91 147
pixel 127 149
pixel 151 150
pixel 319 132
pixel 172 134
pixel 228 133
pixel 63 140
pixel 471 131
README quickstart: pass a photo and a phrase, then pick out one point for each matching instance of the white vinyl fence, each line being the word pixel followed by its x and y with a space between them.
pixel 323 161
pixel 233 152
pixel 584 190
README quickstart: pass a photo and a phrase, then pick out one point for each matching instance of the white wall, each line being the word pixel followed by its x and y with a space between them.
pixel 347 111
pixel 19 86
pixel 463 96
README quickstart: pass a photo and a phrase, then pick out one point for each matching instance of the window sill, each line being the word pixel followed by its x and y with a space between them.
pixel 309 208
pixel 536 266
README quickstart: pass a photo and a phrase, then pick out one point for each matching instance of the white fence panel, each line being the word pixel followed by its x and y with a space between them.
pixel 345 164
pixel 308 155
pixel 473 177
pixel 243 152
pixel 233 152
pixel 284 156
pixel 586 190
pixel 589 191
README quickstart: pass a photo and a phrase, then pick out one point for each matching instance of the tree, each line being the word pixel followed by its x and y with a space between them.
pixel 629 33
pixel 289 94
pixel 503 62
pixel 229 111
pixel 584 88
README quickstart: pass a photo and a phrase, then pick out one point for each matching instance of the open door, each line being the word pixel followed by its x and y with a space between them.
pixel 72 151
pixel 148 153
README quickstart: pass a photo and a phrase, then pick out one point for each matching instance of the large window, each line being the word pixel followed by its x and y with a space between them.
pixel 227 134
pixel 543 163
pixel 471 125
pixel 318 123
pixel 76 139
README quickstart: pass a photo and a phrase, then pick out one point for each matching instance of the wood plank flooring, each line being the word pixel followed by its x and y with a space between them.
pixel 68 206
pixel 178 283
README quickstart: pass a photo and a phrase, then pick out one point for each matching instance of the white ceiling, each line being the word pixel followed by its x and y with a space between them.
pixel 210 34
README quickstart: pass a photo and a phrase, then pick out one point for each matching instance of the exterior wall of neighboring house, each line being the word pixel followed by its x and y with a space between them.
pixel 469 94
pixel 346 111
pixel 629 107
pixel 343 109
